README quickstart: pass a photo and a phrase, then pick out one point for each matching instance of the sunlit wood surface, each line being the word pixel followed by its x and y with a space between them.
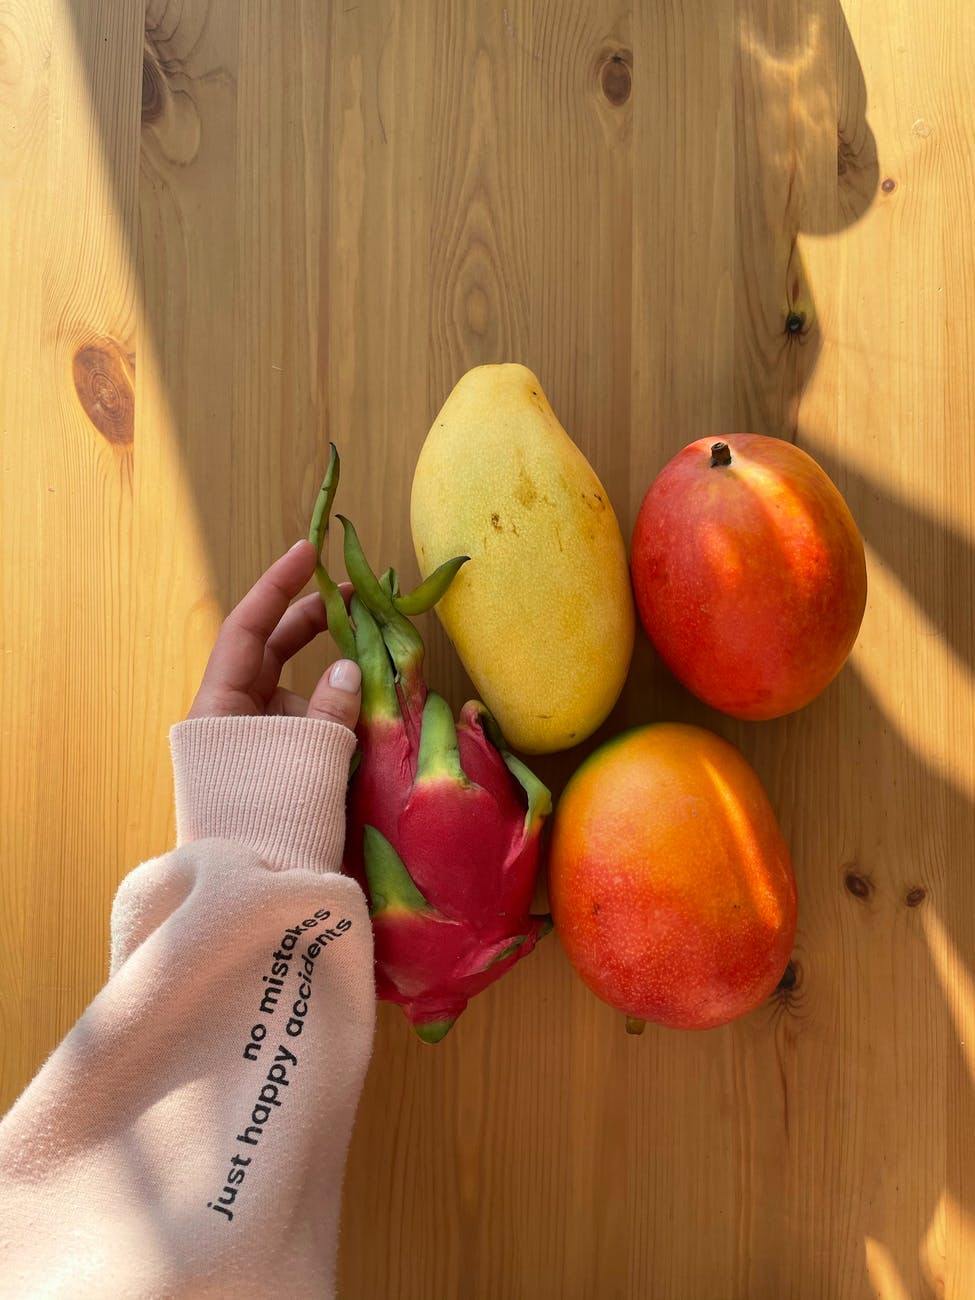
pixel 230 232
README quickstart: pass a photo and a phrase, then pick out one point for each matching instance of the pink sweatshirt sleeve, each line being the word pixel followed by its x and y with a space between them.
pixel 188 1136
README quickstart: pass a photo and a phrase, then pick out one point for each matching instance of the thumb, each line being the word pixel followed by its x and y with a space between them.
pixel 338 695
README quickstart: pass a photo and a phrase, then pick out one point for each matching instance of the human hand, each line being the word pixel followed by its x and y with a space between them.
pixel 256 640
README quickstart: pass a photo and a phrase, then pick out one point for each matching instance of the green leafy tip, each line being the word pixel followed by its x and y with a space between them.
pixel 511 949
pixel 335 611
pixel 367 585
pixel 323 504
pixel 433 1031
pixel 439 756
pixel 391 886
pixel 537 793
pixel 403 641
pixel 431 589
pixel 379 698
pixel 516 943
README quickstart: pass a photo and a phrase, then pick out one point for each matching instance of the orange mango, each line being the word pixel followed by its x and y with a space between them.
pixel 671 885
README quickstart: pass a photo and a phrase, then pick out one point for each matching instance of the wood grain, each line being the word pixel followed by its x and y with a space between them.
pixel 229 233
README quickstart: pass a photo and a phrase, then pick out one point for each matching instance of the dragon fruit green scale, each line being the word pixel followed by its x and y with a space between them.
pixel 443 823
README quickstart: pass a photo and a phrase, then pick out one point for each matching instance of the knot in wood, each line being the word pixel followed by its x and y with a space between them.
pixel 104 381
pixel 794 322
pixel 616 78
pixel 859 886
pixel 153 95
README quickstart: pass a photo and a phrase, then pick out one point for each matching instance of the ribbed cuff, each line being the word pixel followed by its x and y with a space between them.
pixel 274 784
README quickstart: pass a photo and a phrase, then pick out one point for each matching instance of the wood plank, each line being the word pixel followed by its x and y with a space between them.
pixel 69 334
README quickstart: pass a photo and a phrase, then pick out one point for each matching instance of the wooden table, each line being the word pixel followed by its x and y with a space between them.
pixel 233 231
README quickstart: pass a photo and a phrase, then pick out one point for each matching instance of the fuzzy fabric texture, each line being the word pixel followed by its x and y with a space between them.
pixel 189 1135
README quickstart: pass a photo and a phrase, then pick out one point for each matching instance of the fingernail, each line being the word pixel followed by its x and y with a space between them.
pixel 297 543
pixel 345 675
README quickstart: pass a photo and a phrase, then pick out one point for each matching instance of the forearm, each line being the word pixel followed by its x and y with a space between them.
pixel 189 1135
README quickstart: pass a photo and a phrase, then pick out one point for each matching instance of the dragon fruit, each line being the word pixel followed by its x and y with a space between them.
pixel 443 822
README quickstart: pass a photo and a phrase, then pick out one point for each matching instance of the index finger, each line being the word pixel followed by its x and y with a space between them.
pixel 239 652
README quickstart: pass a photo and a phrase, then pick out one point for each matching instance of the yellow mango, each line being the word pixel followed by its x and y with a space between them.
pixel 542 614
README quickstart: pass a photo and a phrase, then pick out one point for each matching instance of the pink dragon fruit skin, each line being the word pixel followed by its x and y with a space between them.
pixel 443 822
